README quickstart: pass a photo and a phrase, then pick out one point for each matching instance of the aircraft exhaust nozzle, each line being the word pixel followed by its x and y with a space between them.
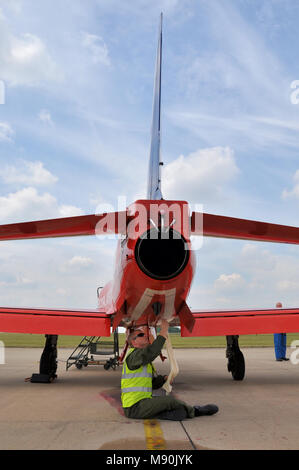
pixel 161 255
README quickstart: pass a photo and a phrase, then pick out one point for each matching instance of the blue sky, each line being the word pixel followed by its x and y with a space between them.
pixel 75 134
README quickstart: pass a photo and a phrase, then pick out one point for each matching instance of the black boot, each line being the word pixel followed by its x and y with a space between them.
pixel 205 410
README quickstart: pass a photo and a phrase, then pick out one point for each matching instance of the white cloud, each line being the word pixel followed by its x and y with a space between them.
pixel 6 132
pixel 287 285
pixel 253 258
pixel 201 174
pixel 25 59
pixel 28 204
pixel 80 261
pixel 295 191
pixel 229 281
pixel 45 116
pixel 258 278
pixel 29 173
pixel 247 50
pixel 16 6
pixel 69 211
pixel 238 76
pixel 216 70
pixel 24 280
pixel 58 285
pixel 272 274
pixel 17 281
pixel 61 292
pixel 97 47
pixel 26 49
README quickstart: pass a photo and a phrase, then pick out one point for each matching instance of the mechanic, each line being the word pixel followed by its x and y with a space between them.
pixel 139 378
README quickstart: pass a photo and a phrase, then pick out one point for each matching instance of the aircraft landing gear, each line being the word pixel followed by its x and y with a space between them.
pixel 48 362
pixel 236 362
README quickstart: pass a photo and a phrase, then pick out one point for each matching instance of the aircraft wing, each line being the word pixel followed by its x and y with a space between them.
pixel 243 322
pixel 210 225
pixel 59 321
pixel 54 322
pixel 99 224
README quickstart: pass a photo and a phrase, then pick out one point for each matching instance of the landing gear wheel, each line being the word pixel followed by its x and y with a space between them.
pixel 236 365
pixel 48 360
pixel 236 361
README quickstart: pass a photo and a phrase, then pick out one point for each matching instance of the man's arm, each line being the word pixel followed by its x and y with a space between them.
pixel 141 357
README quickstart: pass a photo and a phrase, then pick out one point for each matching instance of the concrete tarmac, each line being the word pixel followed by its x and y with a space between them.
pixel 81 409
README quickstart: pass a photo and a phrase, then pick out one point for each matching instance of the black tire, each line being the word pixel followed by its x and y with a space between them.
pixel 237 368
pixel 79 366
pixel 48 360
pixel 48 363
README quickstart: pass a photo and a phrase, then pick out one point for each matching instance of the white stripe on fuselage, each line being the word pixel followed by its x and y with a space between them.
pixel 146 299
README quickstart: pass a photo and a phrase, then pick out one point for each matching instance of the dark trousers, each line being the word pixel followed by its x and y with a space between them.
pixel 280 343
pixel 165 407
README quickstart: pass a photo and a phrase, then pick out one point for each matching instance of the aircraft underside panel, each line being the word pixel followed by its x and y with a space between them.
pixel 243 322
pixel 54 322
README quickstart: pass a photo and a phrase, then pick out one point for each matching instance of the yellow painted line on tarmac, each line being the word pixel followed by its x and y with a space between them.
pixel 154 435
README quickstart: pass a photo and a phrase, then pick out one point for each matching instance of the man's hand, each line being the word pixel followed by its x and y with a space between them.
pixel 164 328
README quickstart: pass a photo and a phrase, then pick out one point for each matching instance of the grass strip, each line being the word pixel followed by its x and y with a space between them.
pixel 13 340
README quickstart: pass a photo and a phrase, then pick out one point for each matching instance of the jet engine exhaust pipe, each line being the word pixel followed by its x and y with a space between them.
pixel 160 254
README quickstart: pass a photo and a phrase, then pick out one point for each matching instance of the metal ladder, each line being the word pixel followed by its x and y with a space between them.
pixel 90 346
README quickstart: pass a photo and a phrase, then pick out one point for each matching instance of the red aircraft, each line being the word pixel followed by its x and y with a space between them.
pixel 154 269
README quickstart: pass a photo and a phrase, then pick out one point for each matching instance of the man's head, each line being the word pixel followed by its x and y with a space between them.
pixel 139 337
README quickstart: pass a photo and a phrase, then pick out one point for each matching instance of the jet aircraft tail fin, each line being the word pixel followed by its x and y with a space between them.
pixel 154 179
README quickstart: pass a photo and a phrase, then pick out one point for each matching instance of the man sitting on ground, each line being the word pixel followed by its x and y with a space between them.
pixel 139 378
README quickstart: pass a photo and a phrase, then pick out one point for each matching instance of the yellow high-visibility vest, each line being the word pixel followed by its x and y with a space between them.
pixel 136 384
